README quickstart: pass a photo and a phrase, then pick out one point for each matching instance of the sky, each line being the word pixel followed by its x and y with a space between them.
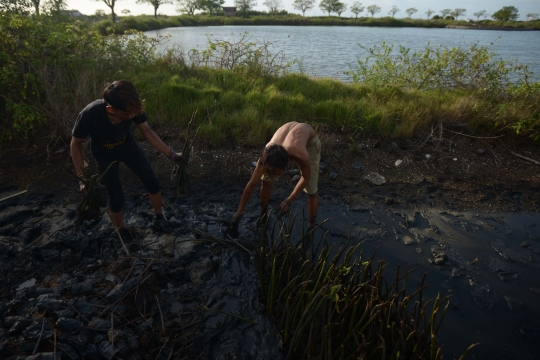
pixel 89 7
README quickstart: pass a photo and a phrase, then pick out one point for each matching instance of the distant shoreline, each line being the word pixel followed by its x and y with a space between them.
pixel 504 28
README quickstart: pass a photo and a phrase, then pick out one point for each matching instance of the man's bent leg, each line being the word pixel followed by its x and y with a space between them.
pixel 155 200
pixel 313 207
pixel 117 219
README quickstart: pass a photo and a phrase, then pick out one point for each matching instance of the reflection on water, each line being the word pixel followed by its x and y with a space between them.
pixel 328 51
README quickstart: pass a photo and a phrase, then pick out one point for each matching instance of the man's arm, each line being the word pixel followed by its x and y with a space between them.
pixel 151 137
pixel 305 169
pixel 248 191
pixel 77 156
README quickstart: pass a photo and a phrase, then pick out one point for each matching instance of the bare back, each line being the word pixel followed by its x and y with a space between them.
pixel 294 136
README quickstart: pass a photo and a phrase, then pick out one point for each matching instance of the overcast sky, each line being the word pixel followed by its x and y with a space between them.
pixel 89 7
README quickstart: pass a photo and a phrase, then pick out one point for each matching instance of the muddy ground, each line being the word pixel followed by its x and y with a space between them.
pixel 463 209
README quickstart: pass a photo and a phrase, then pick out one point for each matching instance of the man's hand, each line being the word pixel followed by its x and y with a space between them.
pixel 284 207
pixel 82 188
pixel 177 157
pixel 236 220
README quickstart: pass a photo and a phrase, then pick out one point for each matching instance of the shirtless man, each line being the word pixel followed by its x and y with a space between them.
pixel 293 141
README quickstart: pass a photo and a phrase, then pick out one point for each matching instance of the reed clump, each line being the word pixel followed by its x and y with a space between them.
pixel 336 304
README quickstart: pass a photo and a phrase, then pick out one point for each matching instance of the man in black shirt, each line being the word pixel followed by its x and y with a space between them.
pixel 107 122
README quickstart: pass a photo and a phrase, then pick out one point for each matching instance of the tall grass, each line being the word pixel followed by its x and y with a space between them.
pixel 241 91
pixel 336 304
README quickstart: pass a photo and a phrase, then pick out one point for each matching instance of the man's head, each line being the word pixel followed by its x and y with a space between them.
pixel 123 99
pixel 274 159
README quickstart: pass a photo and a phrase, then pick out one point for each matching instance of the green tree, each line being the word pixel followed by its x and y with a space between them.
pixel 15 6
pixel 340 8
pixel 155 3
pixel 429 13
pixel 357 8
pixel 532 16
pixel 393 10
pixel 273 5
pixel 211 6
pixel 54 7
pixel 479 13
pixel 187 6
pixel 303 5
pixel 458 12
pixel 126 12
pixel 110 4
pixel 411 11
pixel 507 13
pixel 36 4
pixel 445 12
pixel 373 9
pixel 245 5
pixel 328 6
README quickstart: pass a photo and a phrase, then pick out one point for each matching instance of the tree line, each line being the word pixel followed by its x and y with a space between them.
pixel 214 7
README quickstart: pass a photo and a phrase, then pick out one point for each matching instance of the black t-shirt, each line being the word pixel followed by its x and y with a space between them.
pixel 108 140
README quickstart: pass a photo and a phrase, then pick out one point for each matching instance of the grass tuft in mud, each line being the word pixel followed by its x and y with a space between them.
pixel 336 304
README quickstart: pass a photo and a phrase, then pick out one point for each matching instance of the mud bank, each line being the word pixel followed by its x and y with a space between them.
pixel 466 217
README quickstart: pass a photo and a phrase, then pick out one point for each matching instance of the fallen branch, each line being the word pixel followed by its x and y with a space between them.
pixel 474 137
pixel 119 235
pixel 13 195
pixel 525 158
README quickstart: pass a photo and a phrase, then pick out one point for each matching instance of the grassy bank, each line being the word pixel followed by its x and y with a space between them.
pixel 146 22
pixel 53 69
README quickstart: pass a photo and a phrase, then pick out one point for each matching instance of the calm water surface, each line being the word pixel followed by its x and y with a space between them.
pixel 328 51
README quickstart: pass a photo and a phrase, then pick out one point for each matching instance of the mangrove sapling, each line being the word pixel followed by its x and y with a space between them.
pixel 180 174
pixel 89 208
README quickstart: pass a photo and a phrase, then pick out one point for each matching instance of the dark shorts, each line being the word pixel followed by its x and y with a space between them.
pixel 136 160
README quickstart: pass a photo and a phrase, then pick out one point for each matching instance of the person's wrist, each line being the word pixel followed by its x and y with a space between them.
pixel 171 154
pixel 289 203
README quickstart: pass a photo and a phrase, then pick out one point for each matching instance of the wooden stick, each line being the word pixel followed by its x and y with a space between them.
pixel 526 158
pixel 475 137
pixel 11 196
pixel 119 236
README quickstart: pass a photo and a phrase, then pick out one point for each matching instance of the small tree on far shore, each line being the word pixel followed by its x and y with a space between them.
pixel 273 5
pixel 328 6
pixel 458 12
pixel 303 5
pixel 507 13
pixel 340 8
pixel 110 4
pixel 187 6
pixel 155 3
pixel 479 13
pixel 429 13
pixel 373 9
pixel 411 11
pixel 393 10
pixel 244 6
pixel 357 8
pixel 532 16
pixel 445 12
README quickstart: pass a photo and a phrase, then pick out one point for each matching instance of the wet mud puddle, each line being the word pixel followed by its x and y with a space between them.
pixel 487 263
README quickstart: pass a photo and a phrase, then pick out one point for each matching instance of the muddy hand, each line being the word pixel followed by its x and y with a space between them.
pixel 284 208
pixel 179 158
pixel 236 221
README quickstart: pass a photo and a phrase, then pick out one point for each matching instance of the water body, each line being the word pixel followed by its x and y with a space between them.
pixel 328 51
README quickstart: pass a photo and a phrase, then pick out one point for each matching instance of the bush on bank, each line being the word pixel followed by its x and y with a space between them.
pixel 52 69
